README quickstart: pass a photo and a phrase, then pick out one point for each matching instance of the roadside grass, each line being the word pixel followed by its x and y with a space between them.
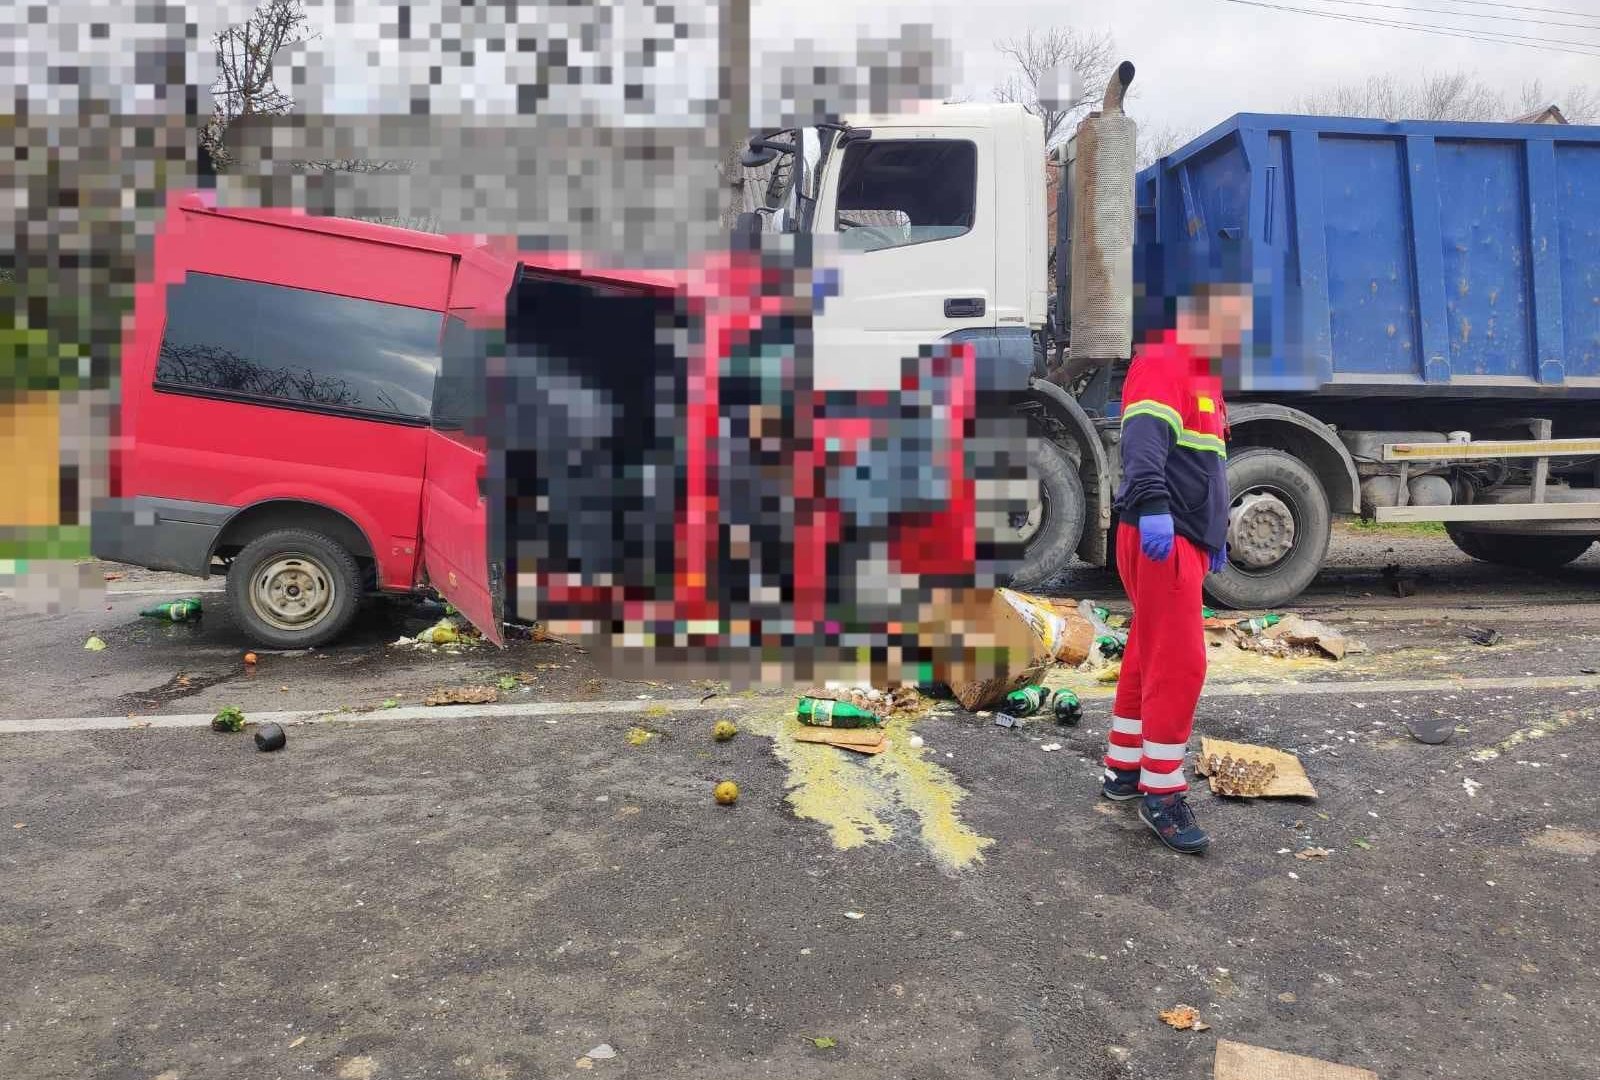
pixel 1412 528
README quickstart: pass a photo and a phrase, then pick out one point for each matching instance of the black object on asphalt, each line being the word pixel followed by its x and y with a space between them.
pixel 270 737
pixel 936 691
pixel 1432 731
pixel 1482 636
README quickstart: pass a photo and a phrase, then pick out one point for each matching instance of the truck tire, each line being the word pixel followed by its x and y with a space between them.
pixel 294 589
pixel 1528 552
pixel 1050 549
pixel 1262 578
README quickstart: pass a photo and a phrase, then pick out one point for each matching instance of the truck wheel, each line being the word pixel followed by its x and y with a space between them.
pixel 294 589
pixel 1052 528
pixel 1529 552
pixel 1278 531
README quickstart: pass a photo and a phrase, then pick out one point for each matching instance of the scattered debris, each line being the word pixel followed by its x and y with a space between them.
pixel 1109 674
pixel 231 718
pixel 1060 625
pixel 723 730
pixel 443 632
pixel 185 610
pixel 1470 786
pixel 1287 780
pixel 992 628
pixel 250 658
pixel 1237 776
pixel 1184 1018
pixel 823 1042
pixel 1314 853
pixel 94 644
pixel 20 825
pixel 1363 844
pixel 1241 1061
pixel 1431 730
pixel 638 736
pixel 603 1052
pixel 1049 747
pixel 1067 708
pixel 861 740
pixel 462 695
pixel 1288 997
pixel 855 915
pixel 1006 720
pixel 388 703
pixel 836 713
pixel 270 737
pixel 584 1063
pixel 1485 636
pixel 915 741
pixel 297 1042
pixel 1026 700
pixel 506 682
pixel 726 793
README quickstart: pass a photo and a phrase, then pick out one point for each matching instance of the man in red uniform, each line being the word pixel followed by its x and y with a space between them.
pixel 1173 506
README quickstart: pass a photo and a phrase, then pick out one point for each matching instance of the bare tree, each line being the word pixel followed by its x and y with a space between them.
pixel 1580 104
pixel 1156 141
pixel 1445 96
pixel 245 86
pixel 1044 60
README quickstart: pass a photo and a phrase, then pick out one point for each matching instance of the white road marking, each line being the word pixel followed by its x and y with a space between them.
pixel 568 708
pixel 410 712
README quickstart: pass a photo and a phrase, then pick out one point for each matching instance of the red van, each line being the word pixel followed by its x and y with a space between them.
pixel 277 382
pixel 305 402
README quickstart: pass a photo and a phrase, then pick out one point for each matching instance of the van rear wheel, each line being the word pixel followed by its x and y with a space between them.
pixel 294 589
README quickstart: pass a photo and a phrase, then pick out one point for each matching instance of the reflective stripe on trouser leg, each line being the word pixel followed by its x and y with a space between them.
pixel 1161 771
pixel 1124 747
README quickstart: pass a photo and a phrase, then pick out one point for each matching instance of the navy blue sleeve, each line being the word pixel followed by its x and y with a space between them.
pixel 1146 442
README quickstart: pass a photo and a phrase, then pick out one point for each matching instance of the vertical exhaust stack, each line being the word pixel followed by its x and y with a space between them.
pixel 1103 154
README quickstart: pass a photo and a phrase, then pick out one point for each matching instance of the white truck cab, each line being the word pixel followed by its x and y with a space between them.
pixel 935 220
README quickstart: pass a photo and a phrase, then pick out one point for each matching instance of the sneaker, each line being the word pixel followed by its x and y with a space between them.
pixel 1120 784
pixel 1170 818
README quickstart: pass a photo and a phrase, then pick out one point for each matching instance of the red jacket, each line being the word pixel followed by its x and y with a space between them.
pixel 1174 442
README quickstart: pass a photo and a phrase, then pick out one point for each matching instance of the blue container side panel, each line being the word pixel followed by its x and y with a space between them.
pixel 1578 232
pixel 1483 224
pixel 1371 291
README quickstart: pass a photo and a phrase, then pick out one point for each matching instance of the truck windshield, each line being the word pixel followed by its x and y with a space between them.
pixel 893 193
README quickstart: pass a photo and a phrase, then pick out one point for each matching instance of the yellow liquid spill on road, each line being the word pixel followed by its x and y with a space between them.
pixel 856 796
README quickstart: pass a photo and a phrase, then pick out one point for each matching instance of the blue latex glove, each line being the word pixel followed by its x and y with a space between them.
pixel 1155 536
pixel 1219 559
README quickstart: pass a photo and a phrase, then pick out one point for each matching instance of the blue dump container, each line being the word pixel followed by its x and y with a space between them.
pixel 1446 259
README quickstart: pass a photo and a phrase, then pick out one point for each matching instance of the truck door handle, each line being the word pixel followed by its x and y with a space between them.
pixel 964 307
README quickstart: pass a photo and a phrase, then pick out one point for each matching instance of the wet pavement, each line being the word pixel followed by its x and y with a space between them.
pixel 492 896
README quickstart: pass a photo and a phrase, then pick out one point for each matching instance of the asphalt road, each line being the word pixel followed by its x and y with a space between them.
pixel 492 896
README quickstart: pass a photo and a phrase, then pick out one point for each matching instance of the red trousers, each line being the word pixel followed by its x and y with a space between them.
pixel 1164 665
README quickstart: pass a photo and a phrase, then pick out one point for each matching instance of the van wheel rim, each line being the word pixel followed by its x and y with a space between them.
pixel 292 592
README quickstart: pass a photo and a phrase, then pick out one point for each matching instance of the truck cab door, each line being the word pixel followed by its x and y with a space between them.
pixel 912 219
pixel 459 554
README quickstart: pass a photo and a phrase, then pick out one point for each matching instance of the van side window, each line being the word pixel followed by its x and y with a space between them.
pixel 275 345
pixel 910 191
pixel 459 392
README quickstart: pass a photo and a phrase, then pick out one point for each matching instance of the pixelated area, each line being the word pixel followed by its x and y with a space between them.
pixel 665 472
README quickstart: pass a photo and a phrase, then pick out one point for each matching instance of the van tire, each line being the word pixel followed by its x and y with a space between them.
pixel 276 581
pixel 1527 552
pixel 1292 482
pixel 1051 549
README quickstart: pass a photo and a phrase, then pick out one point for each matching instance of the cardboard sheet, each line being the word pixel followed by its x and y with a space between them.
pixel 1289 778
pixel 1241 1061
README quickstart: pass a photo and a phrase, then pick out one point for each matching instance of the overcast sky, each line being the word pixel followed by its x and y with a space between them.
pixel 1200 61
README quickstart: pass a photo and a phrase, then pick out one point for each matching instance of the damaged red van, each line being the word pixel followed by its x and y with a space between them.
pixel 303 406
pixel 277 384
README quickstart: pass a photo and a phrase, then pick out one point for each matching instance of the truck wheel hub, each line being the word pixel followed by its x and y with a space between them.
pixel 1260 531
pixel 291 592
